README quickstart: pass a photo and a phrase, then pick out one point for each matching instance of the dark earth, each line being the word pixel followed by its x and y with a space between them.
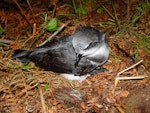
pixel 29 89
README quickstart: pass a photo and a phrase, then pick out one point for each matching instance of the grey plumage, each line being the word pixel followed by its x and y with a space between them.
pixel 78 54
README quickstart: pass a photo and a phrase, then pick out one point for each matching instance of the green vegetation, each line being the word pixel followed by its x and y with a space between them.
pixel 46 87
pixel 25 66
pixel 52 25
pixel 99 10
pixel 145 6
pixel 122 26
pixel 2 31
pixel 1 44
pixel 143 41
pixel 28 28
pixel 116 59
pixel 79 10
pixel 44 17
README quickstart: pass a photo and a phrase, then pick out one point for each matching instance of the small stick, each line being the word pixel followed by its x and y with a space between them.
pixel 34 31
pixel 131 78
pixel 127 78
pixel 5 41
pixel 22 12
pixel 119 108
pixel 31 10
pixel 42 100
pixel 55 33
pixel 129 68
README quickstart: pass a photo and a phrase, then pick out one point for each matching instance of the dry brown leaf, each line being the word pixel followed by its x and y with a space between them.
pixel 93 100
pixel 122 93
pixel 82 105
pixel 15 45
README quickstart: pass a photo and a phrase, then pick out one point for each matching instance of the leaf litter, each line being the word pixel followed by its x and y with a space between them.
pixel 31 89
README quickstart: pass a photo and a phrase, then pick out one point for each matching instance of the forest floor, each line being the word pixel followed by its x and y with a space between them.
pixel 25 88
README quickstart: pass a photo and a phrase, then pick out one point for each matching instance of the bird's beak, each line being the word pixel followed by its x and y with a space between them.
pixel 79 56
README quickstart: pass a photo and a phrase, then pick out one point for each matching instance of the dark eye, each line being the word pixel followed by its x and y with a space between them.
pixel 92 44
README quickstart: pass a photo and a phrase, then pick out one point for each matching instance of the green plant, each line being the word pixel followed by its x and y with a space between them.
pixel 139 11
pixel 1 44
pixel 44 17
pixel 25 66
pixel 116 59
pixel 147 5
pixel 136 53
pixel 29 28
pixel 52 25
pixel 143 41
pixel 144 6
pixel 100 10
pixel 79 10
pixel 2 31
pixel 114 17
pixel 46 86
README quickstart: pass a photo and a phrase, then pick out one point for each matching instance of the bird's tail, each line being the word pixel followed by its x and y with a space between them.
pixel 21 55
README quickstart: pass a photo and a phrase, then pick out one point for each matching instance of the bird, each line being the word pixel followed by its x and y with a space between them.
pixel 75 56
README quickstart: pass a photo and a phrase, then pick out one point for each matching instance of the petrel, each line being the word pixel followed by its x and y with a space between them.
pixel 73 56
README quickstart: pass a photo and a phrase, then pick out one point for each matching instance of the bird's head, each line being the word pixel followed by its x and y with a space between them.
pixel 87 41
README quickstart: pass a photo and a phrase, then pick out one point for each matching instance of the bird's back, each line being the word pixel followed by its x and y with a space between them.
pixel 56 55
pixel 59 57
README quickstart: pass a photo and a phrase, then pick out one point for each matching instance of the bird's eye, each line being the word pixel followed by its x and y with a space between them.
pixel 92 44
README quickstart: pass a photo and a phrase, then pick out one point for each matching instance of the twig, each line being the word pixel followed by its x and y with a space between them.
pixel 108 12
pixel 55 33
pixel 42 100
pixel 6 41
pixel 22 12
pixel 34 30
pixel 54 3
pixel 31 9
pixel 34 25
pixel 131 78
pixel 119 108
pixel 127 78
pixel 128 8
pixel 129 68
pixel 116 18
